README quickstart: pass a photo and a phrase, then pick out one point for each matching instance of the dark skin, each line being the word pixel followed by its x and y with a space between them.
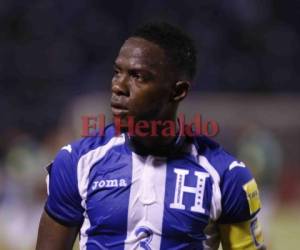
pixel 53 235
pixel 145 86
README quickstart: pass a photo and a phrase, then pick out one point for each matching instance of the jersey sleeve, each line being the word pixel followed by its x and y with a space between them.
pixel 238 225
pixel 240 196
pixel 63 202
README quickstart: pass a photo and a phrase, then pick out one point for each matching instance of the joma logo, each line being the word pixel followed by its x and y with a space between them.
pixel 109 183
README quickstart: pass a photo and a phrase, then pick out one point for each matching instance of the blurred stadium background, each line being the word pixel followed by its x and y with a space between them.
pixel 56 64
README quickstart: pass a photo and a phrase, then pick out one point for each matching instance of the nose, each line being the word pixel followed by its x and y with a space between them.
pixel 120 85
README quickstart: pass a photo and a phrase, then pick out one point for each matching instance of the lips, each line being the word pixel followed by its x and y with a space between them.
pixel 119 109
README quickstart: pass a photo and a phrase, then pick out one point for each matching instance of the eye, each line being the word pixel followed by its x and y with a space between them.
pixel 136 75
pixel 116 72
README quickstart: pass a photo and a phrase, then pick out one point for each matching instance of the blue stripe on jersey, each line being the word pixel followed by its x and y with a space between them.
pixel 183 228
pixel 107 210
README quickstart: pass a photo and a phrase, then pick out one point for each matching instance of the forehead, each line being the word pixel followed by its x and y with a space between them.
pixel 138 52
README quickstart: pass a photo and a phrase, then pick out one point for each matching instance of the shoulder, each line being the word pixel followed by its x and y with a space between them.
pixel 212 153
pixel 238 196
pixel 81 147
pixel 74 161
pixel 83 153
pixel 218 161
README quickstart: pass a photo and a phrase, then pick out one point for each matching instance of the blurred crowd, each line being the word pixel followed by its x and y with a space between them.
pixel 56 63
pixel 52 51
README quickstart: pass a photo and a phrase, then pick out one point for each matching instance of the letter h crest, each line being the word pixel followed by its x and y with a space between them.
pixel 181 188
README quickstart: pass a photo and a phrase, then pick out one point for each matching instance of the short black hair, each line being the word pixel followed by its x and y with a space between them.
pixel 178 46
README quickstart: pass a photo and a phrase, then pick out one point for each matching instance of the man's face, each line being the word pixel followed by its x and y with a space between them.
pixel 141 85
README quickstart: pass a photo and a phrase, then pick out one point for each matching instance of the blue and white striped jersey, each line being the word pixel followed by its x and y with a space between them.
pixel 123 200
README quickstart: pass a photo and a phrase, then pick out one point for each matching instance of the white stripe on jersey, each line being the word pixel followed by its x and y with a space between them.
pixel 217 196
pixel 84 166
pixel 83 236
pixel 212 236
pixel 216 210
pixel 146 201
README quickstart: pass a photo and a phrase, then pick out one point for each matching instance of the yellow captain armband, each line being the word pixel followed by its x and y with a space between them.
pixel 245 235
pixel 251 191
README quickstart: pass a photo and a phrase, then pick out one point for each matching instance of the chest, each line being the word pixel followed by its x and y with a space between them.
pixel 168 197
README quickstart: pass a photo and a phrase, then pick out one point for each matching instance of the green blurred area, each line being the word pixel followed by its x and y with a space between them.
pixel 285 229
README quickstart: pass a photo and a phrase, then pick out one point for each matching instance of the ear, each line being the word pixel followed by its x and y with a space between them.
pixel 180 90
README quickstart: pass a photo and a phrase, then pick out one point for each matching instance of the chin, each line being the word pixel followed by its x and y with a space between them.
pixel 121 123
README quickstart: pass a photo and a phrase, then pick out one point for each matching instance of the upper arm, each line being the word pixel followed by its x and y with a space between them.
pixel 246 235
pixel 238 225
pixel 63 213
pixel 64 202
pixel 55 236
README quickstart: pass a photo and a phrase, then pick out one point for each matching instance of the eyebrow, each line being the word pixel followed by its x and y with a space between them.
pixel 141 67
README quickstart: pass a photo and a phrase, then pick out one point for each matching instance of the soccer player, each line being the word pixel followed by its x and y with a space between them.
pixel 122 191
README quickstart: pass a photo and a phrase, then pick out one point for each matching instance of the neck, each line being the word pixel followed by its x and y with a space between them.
pixel 155 139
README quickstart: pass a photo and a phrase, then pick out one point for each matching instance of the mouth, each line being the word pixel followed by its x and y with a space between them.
pixel 119 109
